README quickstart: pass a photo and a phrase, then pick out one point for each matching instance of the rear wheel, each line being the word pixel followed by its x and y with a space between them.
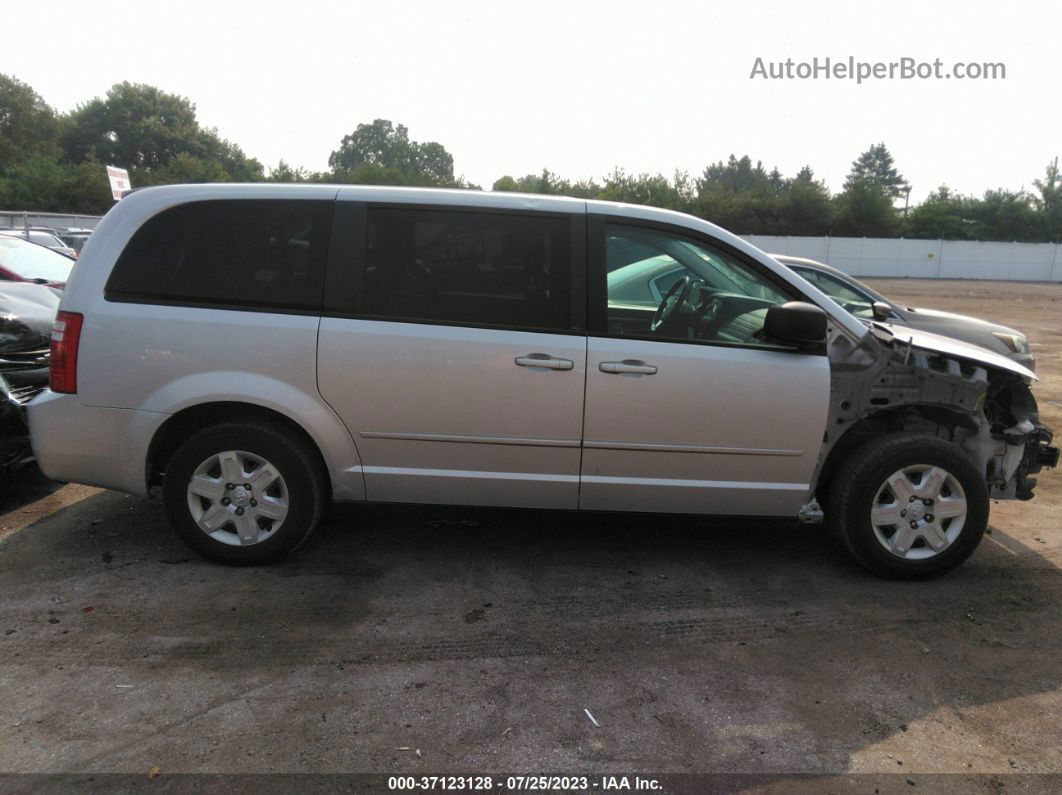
pixel 244 492
pixel 909 506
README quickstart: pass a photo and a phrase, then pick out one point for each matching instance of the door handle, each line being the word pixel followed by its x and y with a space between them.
pixel 544 360
pixel 632 366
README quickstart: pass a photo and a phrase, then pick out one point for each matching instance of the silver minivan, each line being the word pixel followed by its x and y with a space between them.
pixel 255 351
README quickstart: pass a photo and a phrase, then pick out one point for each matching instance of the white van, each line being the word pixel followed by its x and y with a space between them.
pixel 256 351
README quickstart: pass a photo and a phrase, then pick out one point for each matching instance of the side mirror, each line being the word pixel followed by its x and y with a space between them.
pixel 796 321
pixel 882 311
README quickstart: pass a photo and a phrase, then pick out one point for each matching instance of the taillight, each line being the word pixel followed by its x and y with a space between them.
pixel 66 333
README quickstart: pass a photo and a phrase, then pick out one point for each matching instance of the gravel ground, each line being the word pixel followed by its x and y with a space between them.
pixel 421 640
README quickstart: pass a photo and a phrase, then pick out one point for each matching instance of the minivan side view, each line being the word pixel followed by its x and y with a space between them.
pixel 256 351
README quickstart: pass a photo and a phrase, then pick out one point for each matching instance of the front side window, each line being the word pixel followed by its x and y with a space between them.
pixel 683 289
pixel 483 269
pixel 265 254
pixel 853 302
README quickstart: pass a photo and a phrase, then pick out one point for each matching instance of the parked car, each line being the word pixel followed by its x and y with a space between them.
pixel 867 303
pixel 27 314
pixel 15 448
pixel 254 351
pixel 42 237
pixel 22 261
pixel 74 237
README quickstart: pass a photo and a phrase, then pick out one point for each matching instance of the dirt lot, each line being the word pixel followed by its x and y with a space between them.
pixel 408 640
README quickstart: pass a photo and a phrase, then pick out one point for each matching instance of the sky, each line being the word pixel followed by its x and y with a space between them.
pixel 578 87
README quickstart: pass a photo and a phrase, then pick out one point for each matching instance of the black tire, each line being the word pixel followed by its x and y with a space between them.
pixel 295 460
pixel 855 488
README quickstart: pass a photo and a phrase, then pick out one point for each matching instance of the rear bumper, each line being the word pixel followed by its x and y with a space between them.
pixel 93 445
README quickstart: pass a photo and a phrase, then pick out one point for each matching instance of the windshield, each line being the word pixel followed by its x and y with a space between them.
pixel 30 261
pixel 45 239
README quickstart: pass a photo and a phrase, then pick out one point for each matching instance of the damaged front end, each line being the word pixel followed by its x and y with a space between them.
pixel 1012 444
pixel 914 381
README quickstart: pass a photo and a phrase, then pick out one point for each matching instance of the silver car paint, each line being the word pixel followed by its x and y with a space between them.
pixel 514 443
pixel 704 433
pixel 159 360
pixel 443 414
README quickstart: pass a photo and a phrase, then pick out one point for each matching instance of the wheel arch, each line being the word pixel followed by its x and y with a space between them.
pixel 933 419
pixel 188 420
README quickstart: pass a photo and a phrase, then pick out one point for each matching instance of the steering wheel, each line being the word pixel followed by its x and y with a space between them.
pixel 676 296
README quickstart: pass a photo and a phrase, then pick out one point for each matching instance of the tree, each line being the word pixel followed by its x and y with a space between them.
pixel 1049 201
pixel 286 173
pixel 655 190
pixel 736 176
pixel 505 184
pixel 28 126
pixel 864 209
pixel 1006 215
pixel 944 214
pixel 44 184
pixel 382 153
pixel 155 135
pixel 738 195
pixel 876 167
pixel 548 183
pixel 803 206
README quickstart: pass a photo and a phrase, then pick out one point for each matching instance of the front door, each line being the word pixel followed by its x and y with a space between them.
pixel 688 408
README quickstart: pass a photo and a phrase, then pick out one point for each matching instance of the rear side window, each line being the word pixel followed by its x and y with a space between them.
pixel 256 253
pixel 484 269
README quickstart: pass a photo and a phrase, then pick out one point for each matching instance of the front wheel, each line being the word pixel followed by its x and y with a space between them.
pixel 909 506
pixel 244 492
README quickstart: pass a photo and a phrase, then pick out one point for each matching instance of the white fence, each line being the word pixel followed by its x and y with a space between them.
pixel 926 259
pixel 21 218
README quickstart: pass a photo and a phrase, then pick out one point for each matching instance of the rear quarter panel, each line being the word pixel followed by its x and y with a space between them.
pixel 165 358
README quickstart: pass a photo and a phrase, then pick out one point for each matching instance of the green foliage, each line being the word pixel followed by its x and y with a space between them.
pixel 156 136
pixel 739 196
pixel 943 214
pixel 505 184
pixel 549 183
pixel 652 189
pixel 1049 201
pixel 382 153
pixel 803 206
pixel 999 215
pixel 864 209
pixel 285 173
pixel 28 126
pixel 875 166
pixel 43 183
pixel 1006 215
